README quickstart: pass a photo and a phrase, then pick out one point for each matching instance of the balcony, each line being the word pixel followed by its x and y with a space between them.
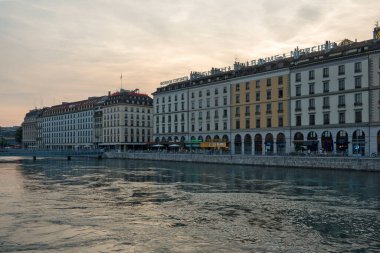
pixel 268 112
pixel 311 108
pixel 237 115
pixel 326 107
pixel 247 114
pixel 257 113
pixel 341 105
pixel 358 104
pixel 298 109
pixel 280 110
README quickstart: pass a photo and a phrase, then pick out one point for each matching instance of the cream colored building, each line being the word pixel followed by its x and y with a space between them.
pixel 127 118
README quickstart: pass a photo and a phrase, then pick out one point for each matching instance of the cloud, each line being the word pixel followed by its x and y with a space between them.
pixel 59 50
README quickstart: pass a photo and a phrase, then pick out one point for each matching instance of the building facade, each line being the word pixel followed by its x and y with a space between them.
pixel 320 99
pixel 70 125
pixel 126 121
pixel 335 100
pixel 260 103
pixel 30 129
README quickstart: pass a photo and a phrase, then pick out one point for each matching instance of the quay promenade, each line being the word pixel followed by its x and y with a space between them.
pixel 321 162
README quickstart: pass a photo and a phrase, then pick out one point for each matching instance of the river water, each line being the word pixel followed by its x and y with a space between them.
pixel 141 206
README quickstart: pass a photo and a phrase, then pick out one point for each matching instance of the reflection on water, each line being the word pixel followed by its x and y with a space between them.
pixel 135 206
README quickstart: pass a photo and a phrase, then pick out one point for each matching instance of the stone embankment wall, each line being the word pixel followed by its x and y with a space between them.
pixel 347 163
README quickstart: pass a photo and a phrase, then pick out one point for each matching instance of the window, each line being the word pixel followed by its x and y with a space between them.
pixel 257 84
pixel 341 101
pixel 298 77
pixel 182 96
pixel 208 126
pixel 192 104
pixel 311 104
pixel 237 111
pixel 257 109
pixel 258 123
pixel 311 88
pixel 325 72
pixel 216 126
pixel 163 99
pixel 224 89
pixel 326 103
pixel 216 91
pixel 247 124
pixel 208 102
pixel 311 75
pixel 280 121
pixel 326 118
pixel 298 105
pixel 280 80
pixel 237 87
pixel 269 94
pixel 247 97
pixel 175 98
pixel 200 117
pixel 341 70
pixel 358 99
pixel 280 107
pixel 326 86
pixel 342 83
pixel 298 90
pixel 208 93
pixel 208 115
pixel 258 96
pixel 216 114
pixel 224 100
pixel 358 116
pixel 247 111
pixel 247 86
pixel 225 113
pixel 192 94
pixel 342 117
pixel 269 108
pixel 358 82
pixel 280 93
pixel 182 106
pixel 216 102
pixel 269 122
pixel 200 94
pixel 224 125
pixel 237 124
pixel 298 120
pixel 200 103
pixel 358 67
pixel 237 99
pixel 311 119
pixel 269 82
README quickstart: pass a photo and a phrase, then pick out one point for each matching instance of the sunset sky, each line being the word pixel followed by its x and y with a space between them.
pixel 54 51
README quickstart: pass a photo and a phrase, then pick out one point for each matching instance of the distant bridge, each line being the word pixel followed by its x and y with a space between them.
pixel 51 153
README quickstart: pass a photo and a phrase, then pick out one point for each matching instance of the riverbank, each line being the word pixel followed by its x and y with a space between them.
pixel 341 163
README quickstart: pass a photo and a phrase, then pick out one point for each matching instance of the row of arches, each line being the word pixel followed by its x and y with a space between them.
pixel 259 148
pixel 328 143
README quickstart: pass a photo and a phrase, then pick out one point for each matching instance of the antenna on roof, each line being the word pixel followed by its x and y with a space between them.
pixel 377 23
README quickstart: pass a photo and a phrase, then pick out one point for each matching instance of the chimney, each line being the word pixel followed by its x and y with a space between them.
pixel 109 93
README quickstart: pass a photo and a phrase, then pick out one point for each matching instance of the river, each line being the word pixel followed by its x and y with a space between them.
pixel 143 206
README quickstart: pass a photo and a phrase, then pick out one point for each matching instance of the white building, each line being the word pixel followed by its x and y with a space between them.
pixel 70 125
pixel 335 99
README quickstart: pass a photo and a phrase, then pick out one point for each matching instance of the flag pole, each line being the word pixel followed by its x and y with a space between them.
pixel 121 81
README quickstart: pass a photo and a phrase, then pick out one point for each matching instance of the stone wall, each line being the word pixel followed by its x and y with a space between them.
pixel 347 163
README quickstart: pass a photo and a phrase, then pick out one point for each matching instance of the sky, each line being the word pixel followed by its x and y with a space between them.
pixel 54 51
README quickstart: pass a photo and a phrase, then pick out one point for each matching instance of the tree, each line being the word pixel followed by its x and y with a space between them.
pixel 18 135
